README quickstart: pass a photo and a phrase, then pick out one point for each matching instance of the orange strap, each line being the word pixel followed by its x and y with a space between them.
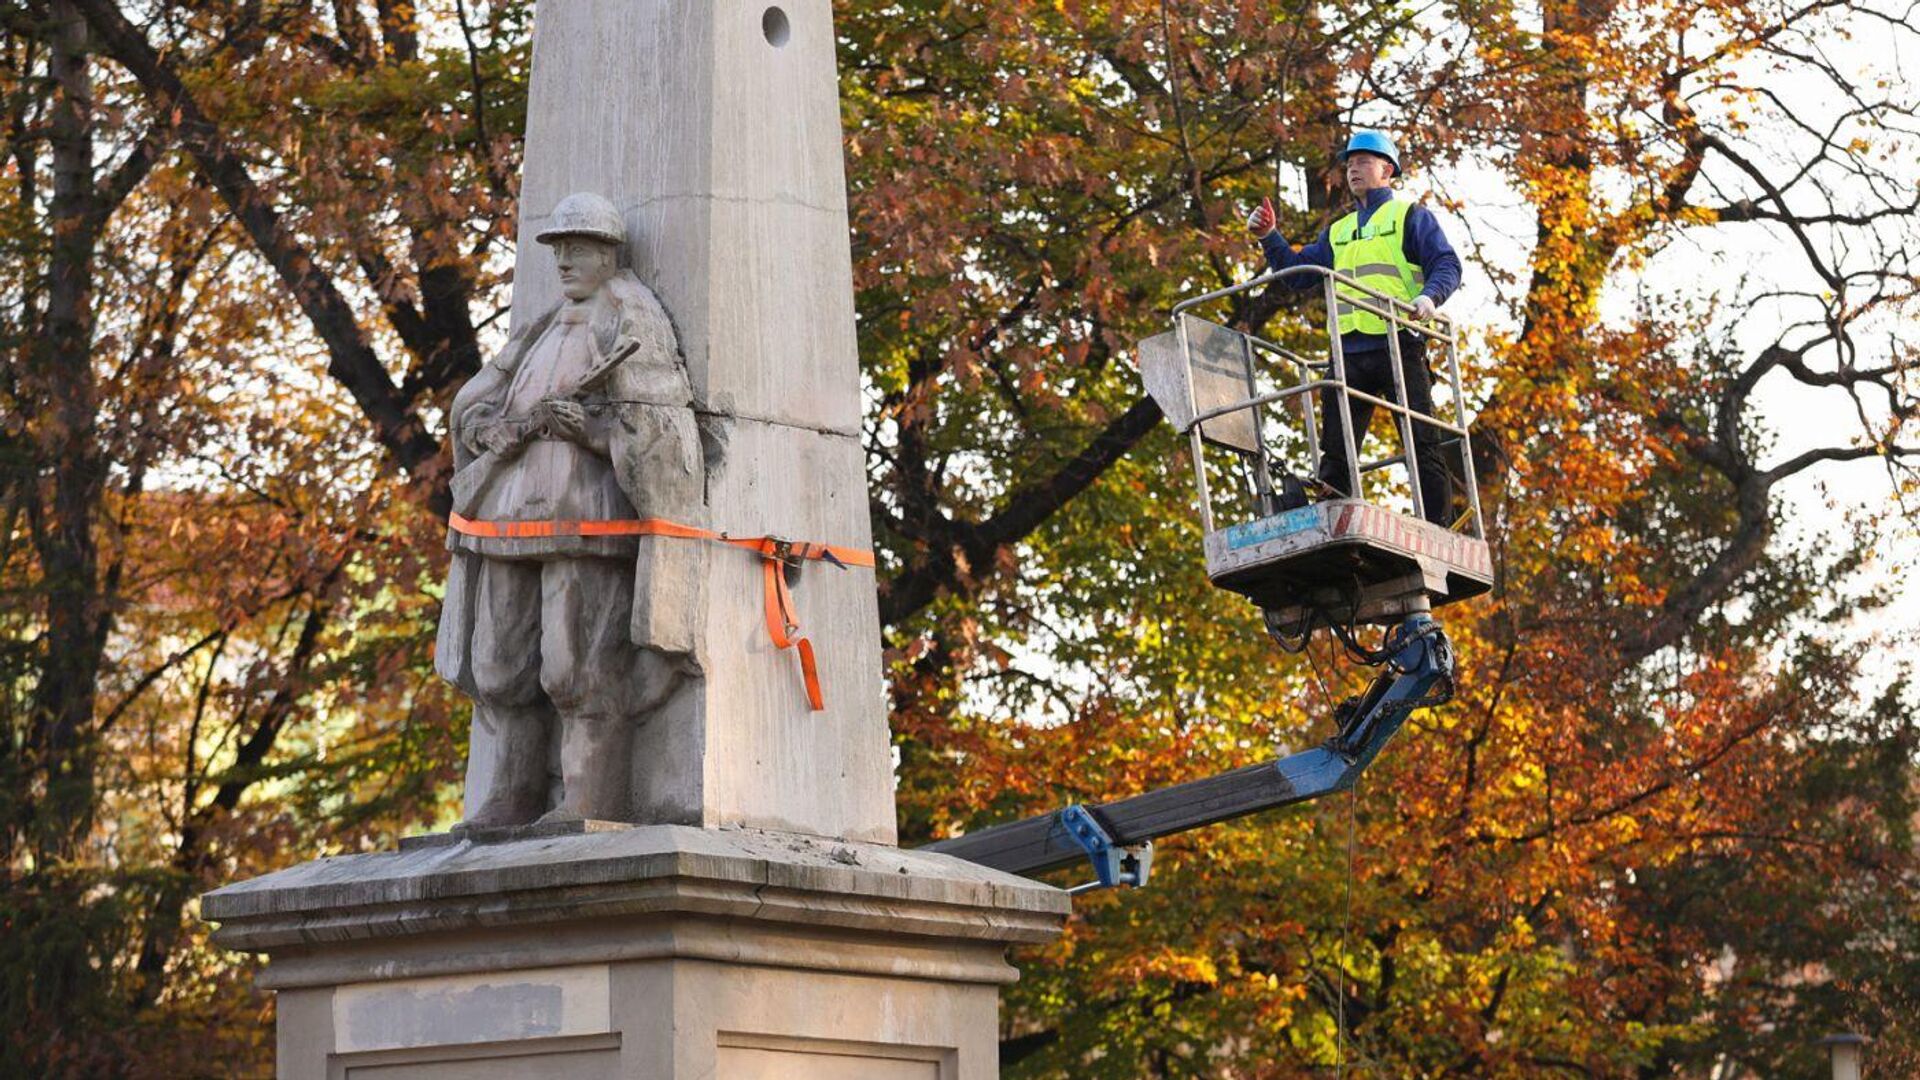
pixel 783 622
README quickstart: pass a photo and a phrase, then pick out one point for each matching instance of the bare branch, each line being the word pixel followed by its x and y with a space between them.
pixel 1024 511
pixel 1803 461
pixel 353 362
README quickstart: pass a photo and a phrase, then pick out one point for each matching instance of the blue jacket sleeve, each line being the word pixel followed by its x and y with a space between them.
pixel 1426 246
pixel 1281 256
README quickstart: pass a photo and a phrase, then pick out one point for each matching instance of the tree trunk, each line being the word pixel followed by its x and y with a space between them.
pixel 70 667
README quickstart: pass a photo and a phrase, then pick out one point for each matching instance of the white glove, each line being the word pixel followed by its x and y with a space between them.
pixel 1423 308
pixel 1261 221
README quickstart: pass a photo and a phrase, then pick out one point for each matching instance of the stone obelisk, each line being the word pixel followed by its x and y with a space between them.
pixel 714 127
pixel 755 920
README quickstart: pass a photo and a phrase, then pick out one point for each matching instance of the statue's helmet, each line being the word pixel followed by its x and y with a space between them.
pixel 584 214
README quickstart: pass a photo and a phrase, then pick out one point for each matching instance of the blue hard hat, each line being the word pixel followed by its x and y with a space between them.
pixel 1372 142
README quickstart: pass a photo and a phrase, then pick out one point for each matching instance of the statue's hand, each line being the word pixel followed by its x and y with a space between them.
pixel 568 420
pixel 500 437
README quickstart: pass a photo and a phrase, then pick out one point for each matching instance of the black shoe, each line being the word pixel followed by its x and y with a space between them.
pixel 1292 494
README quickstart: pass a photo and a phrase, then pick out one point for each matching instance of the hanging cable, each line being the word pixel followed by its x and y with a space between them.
pixel 1326 691
pixel 1347 629
pixel 1296 641
pixel 1346 931
pixel 1346 926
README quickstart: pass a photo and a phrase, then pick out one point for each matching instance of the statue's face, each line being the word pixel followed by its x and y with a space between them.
pixel 584 263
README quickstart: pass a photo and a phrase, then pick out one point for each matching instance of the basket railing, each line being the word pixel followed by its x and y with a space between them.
pixel 1339 290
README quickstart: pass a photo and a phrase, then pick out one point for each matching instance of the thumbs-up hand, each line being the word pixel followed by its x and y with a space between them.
pixel 1261 221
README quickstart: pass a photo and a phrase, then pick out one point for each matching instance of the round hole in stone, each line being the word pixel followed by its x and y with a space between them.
pixel 774 25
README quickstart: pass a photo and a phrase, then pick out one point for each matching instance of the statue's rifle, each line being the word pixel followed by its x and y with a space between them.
pixel 472 480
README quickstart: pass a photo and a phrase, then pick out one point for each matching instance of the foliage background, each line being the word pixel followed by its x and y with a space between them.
pixel 1667 829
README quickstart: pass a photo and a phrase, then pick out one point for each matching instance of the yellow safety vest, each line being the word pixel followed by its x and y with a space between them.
pixel 1376 256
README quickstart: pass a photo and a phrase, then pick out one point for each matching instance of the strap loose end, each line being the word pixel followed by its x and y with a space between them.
pixel 810 672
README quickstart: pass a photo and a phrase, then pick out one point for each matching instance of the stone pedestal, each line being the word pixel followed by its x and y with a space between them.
pixel 658 952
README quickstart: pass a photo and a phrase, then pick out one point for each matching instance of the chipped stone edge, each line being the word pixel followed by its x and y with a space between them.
pixel 646 871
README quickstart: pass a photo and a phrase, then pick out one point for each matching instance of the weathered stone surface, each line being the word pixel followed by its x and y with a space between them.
pixel 532 1003
pixel 657 1019
pixel 769 762
pixel 741 747
pixel 642 870
pixel 570 640
pixel 656 952
pixel 723 150
pixel 503 834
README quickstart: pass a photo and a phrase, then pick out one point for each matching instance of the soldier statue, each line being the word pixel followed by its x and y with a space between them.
pixel 568 624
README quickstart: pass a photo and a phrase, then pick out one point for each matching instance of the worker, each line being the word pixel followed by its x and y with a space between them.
pixel 1399 249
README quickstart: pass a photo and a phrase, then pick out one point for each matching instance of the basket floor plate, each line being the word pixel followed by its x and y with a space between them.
pixel 1345 546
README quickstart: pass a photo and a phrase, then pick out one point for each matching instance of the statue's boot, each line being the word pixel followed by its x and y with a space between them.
pixel 516 787
pixel 508 762
pixel 596 768
pixel 601 683
pixel 596 747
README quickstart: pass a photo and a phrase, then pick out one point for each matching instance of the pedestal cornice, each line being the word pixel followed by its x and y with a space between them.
pixel 730 895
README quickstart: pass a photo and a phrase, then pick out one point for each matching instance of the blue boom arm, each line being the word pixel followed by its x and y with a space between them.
pixel 1116 836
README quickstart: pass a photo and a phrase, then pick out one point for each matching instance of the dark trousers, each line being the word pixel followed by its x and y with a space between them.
pixel 1372 373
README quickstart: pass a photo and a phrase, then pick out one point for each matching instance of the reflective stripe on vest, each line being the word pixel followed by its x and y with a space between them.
pixel 1376 256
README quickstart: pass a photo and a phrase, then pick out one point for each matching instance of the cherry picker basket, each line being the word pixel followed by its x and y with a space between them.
pixel 1247 406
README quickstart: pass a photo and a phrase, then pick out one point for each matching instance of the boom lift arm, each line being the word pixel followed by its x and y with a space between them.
pixel 1117 836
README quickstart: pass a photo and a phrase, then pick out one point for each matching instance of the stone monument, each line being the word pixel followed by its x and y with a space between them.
pixel 677 858
pixel 568 628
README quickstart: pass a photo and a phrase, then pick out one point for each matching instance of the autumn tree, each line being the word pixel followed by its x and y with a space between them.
pixel 1666 826
pixel 1649 705
pixel 253 249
